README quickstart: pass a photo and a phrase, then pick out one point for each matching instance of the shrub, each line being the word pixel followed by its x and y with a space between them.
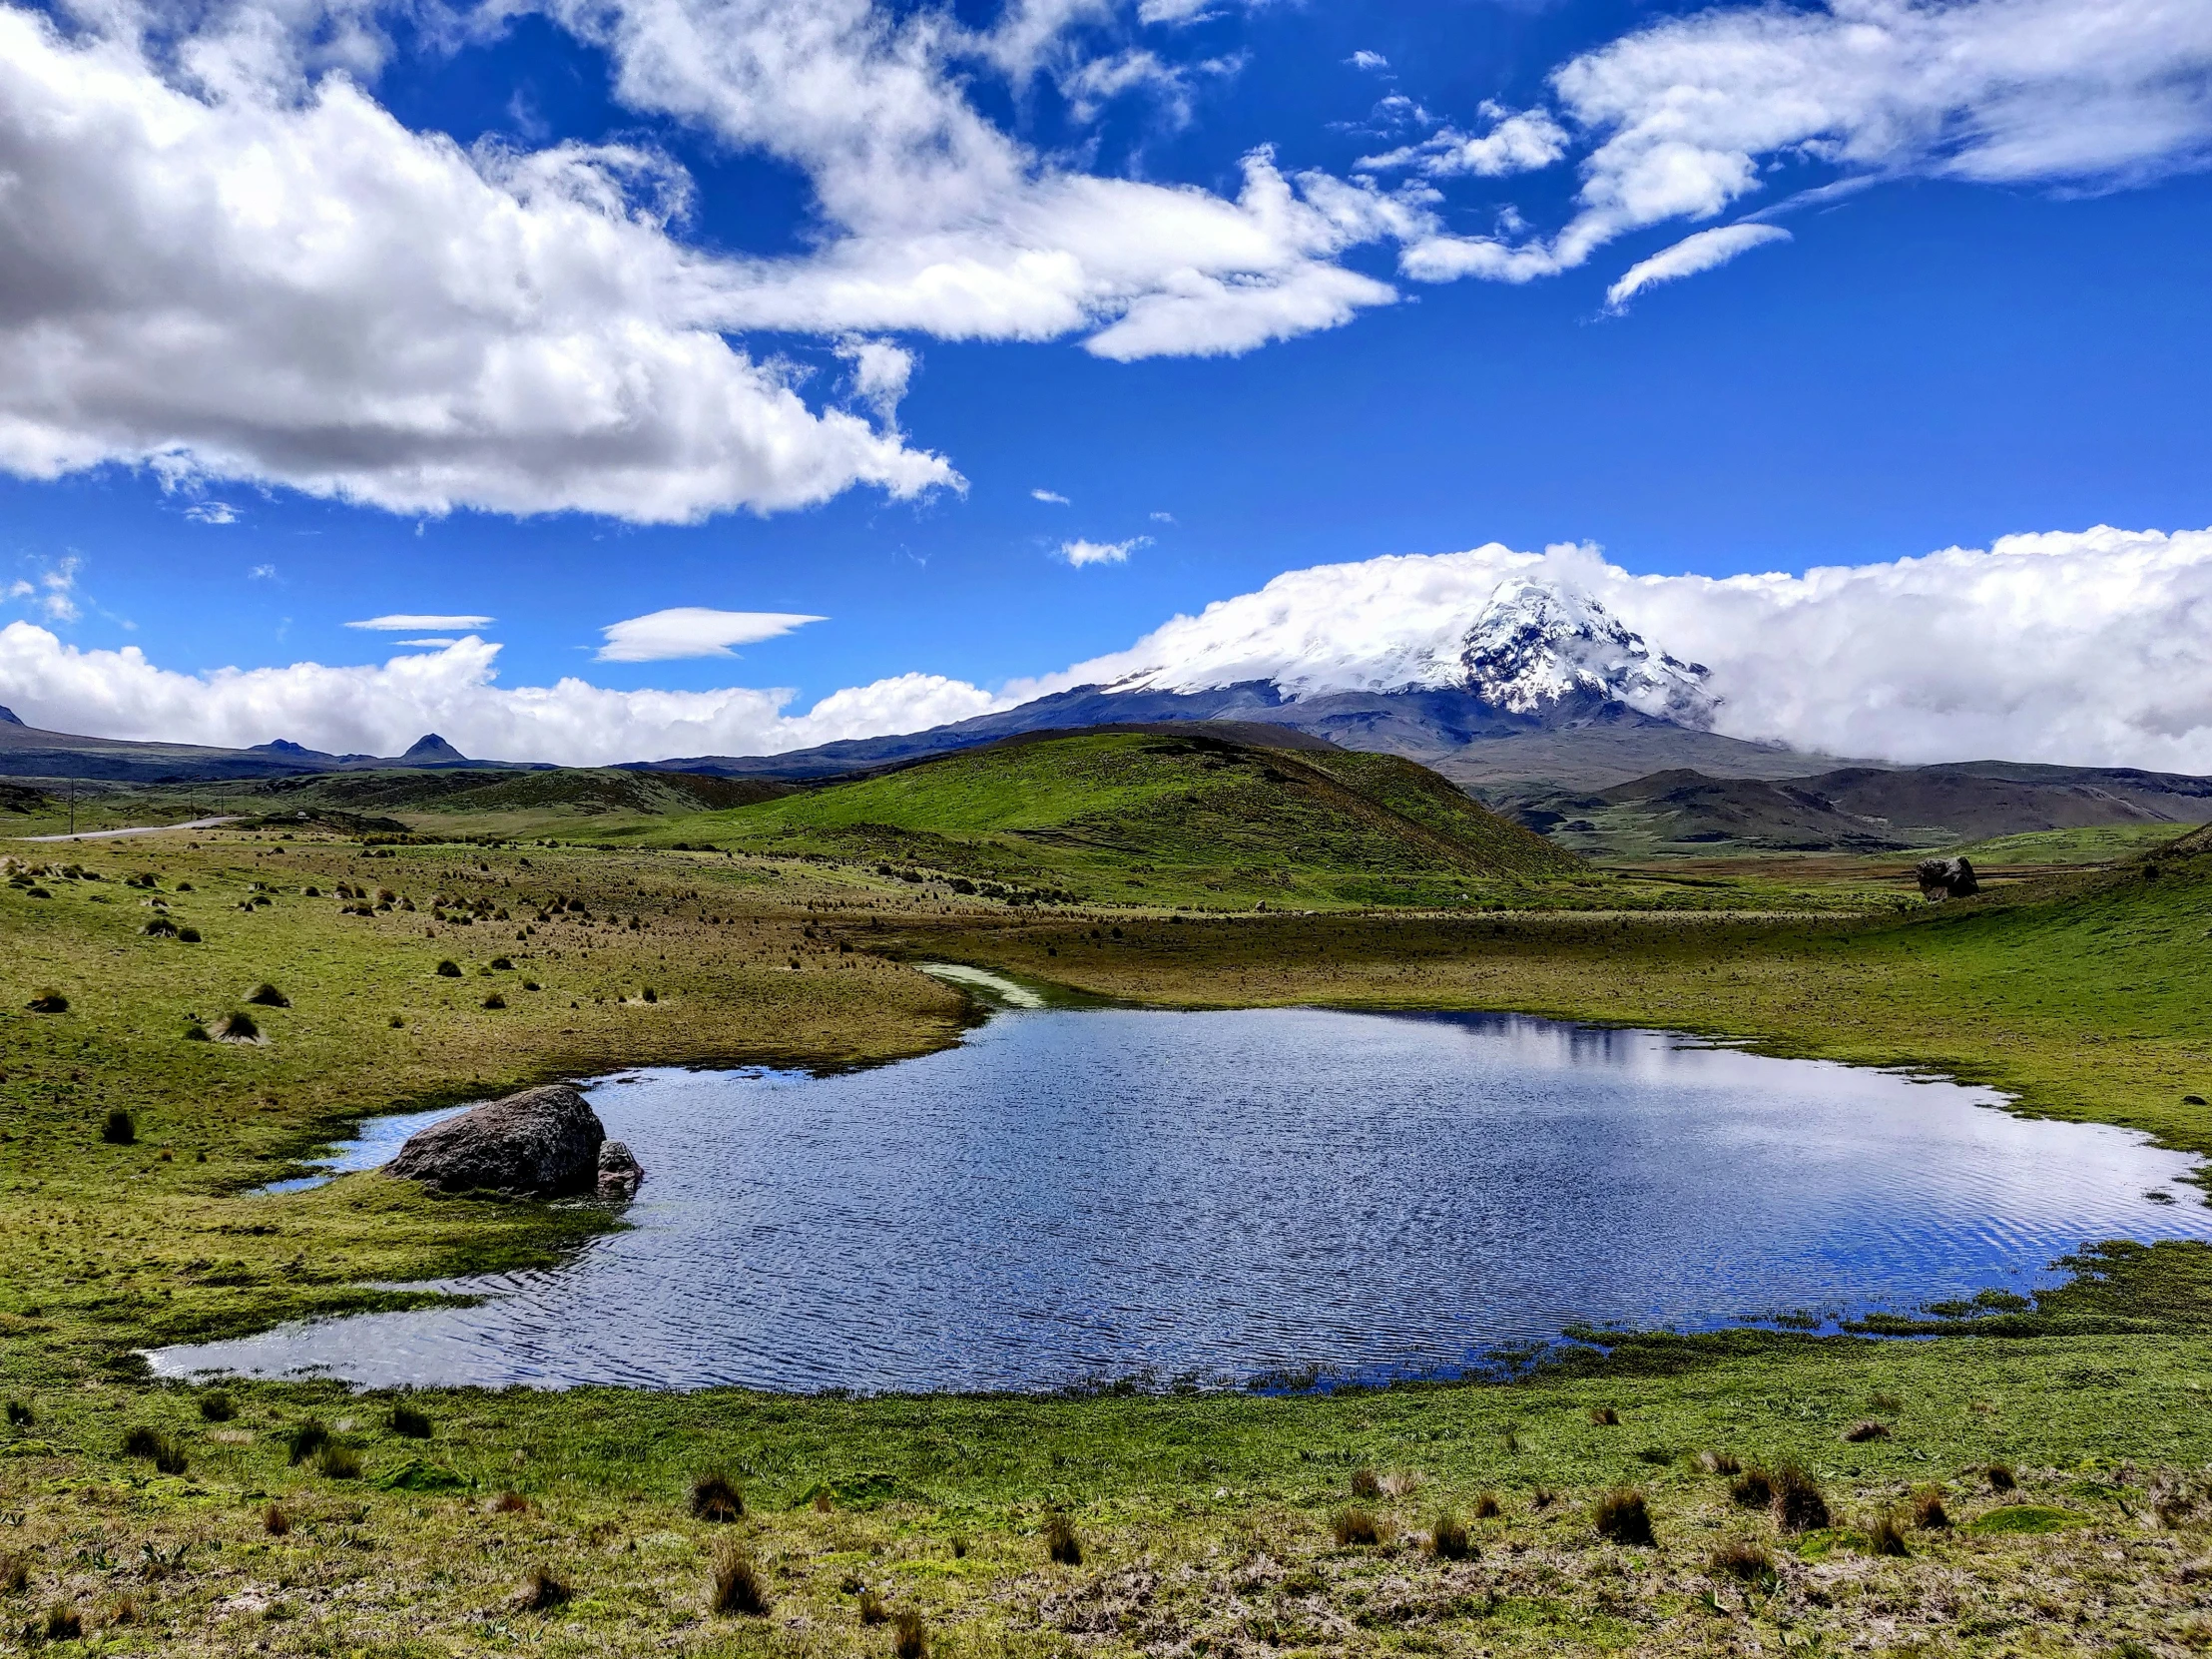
pixel 119 1128
pixel 1060 1541
pixel 237 1026
pixel 305 1441
pixel 1886 1535
pixel 274 1521
pixel 1742 1558
pixel 449 969
pixel 1799 1505
pixel 266 995
pixel 1864 1430
pixel 1622 1516
pixel 1364 1484
pixel 1447 1539
pixel 1605 1416
pixel 542 1592
pixel 1927 1509
pixel 738 1587
pixel 408 1422
pixel 48 1000
pixel 20 1416
pixel 217 1407
pixel 1488 1507
pixel 1353 1525
pixel 714 1498
pixel 2001 1478
pixel 340 1462
pixel 1718 1462
pixel 909 1639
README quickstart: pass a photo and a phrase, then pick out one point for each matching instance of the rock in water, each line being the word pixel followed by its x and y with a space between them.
pixel 1947 878
pixel 540 1143
pixel 619 1173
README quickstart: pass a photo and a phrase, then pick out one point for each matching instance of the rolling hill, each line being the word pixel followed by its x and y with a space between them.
pixel 1214 817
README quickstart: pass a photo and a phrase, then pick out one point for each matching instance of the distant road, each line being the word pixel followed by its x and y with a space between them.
pixel 110 834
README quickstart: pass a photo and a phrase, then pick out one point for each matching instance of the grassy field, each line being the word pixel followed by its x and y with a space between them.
pixel 2068 1445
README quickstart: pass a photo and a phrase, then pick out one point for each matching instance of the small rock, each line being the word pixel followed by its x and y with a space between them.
pixel 619 1172
pixel 543 1142
pixel 1942 878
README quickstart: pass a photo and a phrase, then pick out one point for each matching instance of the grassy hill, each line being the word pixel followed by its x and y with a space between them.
pixel 1158 818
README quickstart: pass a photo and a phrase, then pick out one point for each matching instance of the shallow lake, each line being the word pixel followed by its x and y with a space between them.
pixel 1074 1196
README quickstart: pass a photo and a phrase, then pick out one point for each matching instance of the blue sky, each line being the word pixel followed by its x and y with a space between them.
pixel 1997 327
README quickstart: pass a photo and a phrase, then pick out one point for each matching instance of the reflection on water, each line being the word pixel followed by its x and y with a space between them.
pixel 1082 1195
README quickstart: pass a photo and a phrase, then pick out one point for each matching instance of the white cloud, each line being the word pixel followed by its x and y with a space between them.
pixel 692 631
pixel 53 592
pixel 1163 518
pixel 407 622
pixel 1052 496
pixel 1698 251
pixel 1523 141
pixel 379 709
pixel 1080 553
pixel 1364 59
pixel 211 512
pixel 2079 647
pixel 261 573
pixel 1686 118
pixel 241 275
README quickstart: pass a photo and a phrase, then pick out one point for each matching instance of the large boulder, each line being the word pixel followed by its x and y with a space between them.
pixel 1947 878
pixel 541 1143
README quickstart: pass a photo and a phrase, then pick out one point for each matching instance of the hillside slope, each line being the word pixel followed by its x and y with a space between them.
pixel 1150 816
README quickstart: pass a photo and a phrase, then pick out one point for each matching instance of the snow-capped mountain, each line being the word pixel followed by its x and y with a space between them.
pixel 1533 649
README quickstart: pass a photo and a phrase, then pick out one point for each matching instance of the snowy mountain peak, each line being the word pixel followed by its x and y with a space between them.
pixel 1542 650
pixel 1536 648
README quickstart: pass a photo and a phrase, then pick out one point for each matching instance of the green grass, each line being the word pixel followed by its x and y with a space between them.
pixel 1163 819
pixel 2098 844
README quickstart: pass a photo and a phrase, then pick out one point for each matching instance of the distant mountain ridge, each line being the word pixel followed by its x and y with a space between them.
pixel 28 752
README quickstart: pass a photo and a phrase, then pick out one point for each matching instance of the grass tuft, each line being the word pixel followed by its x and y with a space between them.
pixel 266 995
pixel 1886 1535
pixel 738 1587
pixel 1864 1430
pixel 1744 1558
pixel 47 1000
pixel 1487 1506
pixel 20 1416
pixel 1799 1503
pixel 909 1638
pixel 119 1128
pixel 510 1503
pixel 1353 1526
pixel 1718 1462
pixel 1365 1484
pixel 15 1575
pixel 449 969
pixel 1624 1517
pixel 1752 1489
pixel 715 1497
pixel 542 1592
pixel 1060 1542
pixel 340 1462
pixel 237 1026
pixel 64 1623
pixel 1605 1416
pixel 872 1610
pixel 1447 1539
pixel 2001 1478
pixel 217 1407
pixel 410 1422
pixel 1927 1511
pixel 274 1521
pixel 305 1441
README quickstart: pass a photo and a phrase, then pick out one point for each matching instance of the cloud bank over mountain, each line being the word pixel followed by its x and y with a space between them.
pixel 2080 648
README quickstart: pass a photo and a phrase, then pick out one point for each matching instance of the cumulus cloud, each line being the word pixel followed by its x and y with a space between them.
pixel 1701 250
pixel 1371 61
pixel 692 631
pixel 380 709
pixel 1052 496
pixel 52 592
pixel 1688 117
pixel 1523 141
pixel 2076 647
pixel 211 512
pixel 1080 553
pixel 238 276
pixel 408 622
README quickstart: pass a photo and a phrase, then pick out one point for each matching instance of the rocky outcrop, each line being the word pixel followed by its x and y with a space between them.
pixel 541 1143
pixel 619 1172
pixel 1947 878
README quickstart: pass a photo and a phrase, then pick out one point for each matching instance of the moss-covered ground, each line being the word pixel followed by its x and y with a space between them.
pixel 2068 1444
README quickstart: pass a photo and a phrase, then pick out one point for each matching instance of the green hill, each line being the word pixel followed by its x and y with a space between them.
pixel 1158 818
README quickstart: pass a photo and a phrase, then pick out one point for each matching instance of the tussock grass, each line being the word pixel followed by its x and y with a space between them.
pixel 2001 1478
pixel 1365 1484
pixel 1799 1503
pixel 511 1503
pixel 1742 1558
pixel 1926 1507
pixel 1447 1537
pixel 738 1587
pixel 410 1422
pixel 715 1497
pixel 217 1407
pixel 1622 1516
pixel 1060 1541
pixel 1752 1489
pixel 872 1610
pixel 1718 1462
pixel 266 995
pixel 1487 1506
pixel 306 1440
pixel 1353 1526
pixel 274 1521
pixel 542 1591
pixel 1864 1430
pixel 910 1636
pixel 1605 1416
pixel 340 1462
pixel 119 1128
pixel 1886 1533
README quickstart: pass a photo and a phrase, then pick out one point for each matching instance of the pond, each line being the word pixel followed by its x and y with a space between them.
pixel 1076 1196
